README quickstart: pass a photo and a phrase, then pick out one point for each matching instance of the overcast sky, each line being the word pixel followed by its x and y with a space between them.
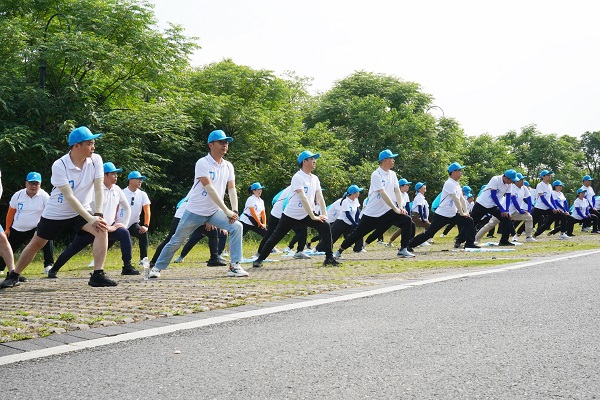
pixel 494 68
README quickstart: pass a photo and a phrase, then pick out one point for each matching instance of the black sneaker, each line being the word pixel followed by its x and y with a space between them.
pixel 216 263
pixel 22 278
pixel 257 264
pixel 507 243
pixel 100 280
pixel 52 274
pixel 10 281
pixel 129 270
pixel 456 245
pixel 472 246
pixel 331 261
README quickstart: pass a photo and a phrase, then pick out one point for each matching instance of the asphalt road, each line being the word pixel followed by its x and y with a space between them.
pixel 531 333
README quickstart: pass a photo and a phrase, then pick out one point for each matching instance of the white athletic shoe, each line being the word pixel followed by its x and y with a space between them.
pixel 388 245
pixel 430 241
pixel 337 255
pixel 425 244
pixel 225 254
pixel 588 229
pixel 222 259
pixel 154 273
pixel 179 260
pixel 530 239
pixel 515 238
pixel 255 256
pixel 301 256
pixel 236 270
pixel 91 264
pixel 380 242
pixel 275 250
pixel 287 250
pixel 405 253
pixel 47 268
pixel 442 235
pixel 563 236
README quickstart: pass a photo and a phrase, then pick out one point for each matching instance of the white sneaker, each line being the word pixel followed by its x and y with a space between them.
pixel 515 238
pixel 442 235
pixel 588 229
pixel 255 256
pixel 91 264
pixel 388 245
pixel 301 256
pixel 236 270
pixel 337 255
pixel 222 259
pixel 425 244
pixel 47 268
pixel 530 239
pixel 275 250
pixel 179 260
pixel 405 253
pixel 287 250
pixel 363 250
pixel 563 236
pixel 154 273
pixel 225 254
pixel 430 241
pixel 380 242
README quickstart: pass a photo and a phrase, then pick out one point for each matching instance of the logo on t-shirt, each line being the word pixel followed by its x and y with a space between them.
pixel 212 175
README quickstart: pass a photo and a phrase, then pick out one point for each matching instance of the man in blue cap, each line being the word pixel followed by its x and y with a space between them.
pixel 24 212
pixel 452 209
pixel 113 199
pixel 590 195
pixel 213 174
pixel 138 202
pixel 495 201
pixel 380 212
pixel 305 190
pixel 76 178
pixel 545 212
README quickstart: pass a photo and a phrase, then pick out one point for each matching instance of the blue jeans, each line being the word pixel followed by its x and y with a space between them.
pixel 188 224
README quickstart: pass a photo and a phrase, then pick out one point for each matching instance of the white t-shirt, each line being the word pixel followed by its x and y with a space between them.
pixel 420 200
pixel 589 194
pixel 447 208
pixel 333 211
pixel 470 205
pixel 559 197
pixel 521 194
pixel 137 200
pixel 351 206
pixel 501 188
pixel 199 201
pixel 253 202
pixel 277 209
pixel 114 203
pixel 309 184
pixel 375 206
pixel 81 180
pixel 543 189
pixel 29 209
pixel 582 205
pixel 405 201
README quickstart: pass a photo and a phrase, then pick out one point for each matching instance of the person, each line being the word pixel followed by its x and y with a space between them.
pixel 545 212
pixel 590 195
pixel 470 198
pixel 565 221
pixel 333 211
pixel 420 207
pixel 113 198
pixel 495 200
pixel 203 230
pixel 380 211
pixel 24 212
pixel 451 209
pixel 582 211
pixel 254 216
pixel 519 210
pixel 347 220
pixel 138 201
pixel 404 186
pixel 76 178
pixel 305 190
pixel 278 202
pixel 213 174
pixel 6 252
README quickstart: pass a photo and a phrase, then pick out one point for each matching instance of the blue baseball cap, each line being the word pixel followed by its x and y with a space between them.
pixel 403 182
pixel 587 178
pixel 455 167
pixel 581 190
pixel 557 183
pixel 545 172
pixel 136 175
pixel 512 175
pixel 419 185
pixel 521 176
pixel 256 186
pixel 354 189
pixel 526 183
pixel 34 177
pixel 307 154
pixel 466 190
pixel 110 167
pixel 218 135
pixel 386 154
pixel 81 134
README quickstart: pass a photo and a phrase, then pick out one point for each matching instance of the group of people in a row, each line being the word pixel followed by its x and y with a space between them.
pixel 85 197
